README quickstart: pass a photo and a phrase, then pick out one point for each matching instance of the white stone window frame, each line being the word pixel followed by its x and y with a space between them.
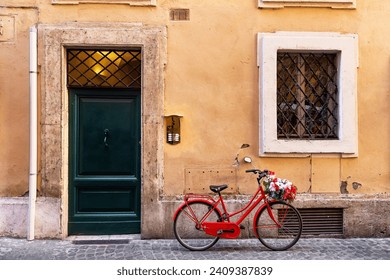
pixel 347 47
pixel 335 4
pixel 129 2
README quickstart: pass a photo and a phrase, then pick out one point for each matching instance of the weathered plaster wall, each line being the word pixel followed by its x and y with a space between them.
pixel 219 98
pixel 211 79
pixel 14 99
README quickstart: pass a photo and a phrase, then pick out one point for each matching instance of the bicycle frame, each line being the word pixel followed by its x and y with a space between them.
pixel 202 219
pixel 226 228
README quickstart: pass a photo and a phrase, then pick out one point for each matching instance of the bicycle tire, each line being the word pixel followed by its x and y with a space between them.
pixel 185 230
pixel 279 238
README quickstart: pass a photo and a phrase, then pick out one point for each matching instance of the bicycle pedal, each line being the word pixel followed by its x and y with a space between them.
pixel 242 227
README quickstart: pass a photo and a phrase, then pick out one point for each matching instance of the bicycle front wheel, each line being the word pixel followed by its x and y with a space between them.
pixel 186 225
pixel 283 235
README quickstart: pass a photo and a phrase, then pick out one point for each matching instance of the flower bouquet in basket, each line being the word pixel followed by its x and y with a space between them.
pixel 279 189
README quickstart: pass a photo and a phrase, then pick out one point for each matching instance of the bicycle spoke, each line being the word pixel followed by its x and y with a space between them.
pixel 187 227
pixel 279 236
pixel 192 217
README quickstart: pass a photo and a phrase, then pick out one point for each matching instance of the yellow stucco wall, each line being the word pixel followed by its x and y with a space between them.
pixel 14 99
pixel 211 79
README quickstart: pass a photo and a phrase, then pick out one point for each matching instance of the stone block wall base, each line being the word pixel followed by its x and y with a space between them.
pixel 364 215
pixel 14 217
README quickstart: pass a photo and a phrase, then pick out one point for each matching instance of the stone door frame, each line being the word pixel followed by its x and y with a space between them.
pixel 52 44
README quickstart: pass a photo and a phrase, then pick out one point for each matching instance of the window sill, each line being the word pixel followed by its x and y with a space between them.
pixel 129 2
pixel 307 148
pixel 335 4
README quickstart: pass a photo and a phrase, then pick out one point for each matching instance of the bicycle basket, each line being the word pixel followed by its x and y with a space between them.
pixel 279 189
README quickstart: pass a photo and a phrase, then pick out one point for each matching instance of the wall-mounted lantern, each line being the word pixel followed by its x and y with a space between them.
pixel 173 129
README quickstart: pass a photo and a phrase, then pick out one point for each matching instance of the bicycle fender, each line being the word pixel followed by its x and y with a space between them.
pixel 178 210
pixel 193 200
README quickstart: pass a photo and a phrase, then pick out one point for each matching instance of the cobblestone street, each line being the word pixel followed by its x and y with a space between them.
pixel 133 248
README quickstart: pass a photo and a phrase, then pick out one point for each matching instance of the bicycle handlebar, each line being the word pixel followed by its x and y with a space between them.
pixel 253 170
pixel 261 173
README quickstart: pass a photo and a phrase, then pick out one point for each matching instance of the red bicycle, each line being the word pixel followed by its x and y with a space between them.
pixel 199 222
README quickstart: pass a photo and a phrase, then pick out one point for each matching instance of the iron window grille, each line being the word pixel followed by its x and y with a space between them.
pixel 104 68
pixel 307 95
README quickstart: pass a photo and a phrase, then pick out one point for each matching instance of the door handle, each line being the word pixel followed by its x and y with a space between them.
pixel 106 133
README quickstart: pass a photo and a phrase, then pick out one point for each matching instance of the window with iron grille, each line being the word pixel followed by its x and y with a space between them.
pixel 307 93
pixel 104 68
pixel 307 99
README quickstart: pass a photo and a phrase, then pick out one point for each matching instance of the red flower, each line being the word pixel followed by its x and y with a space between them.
pixel 293 189
pixel 286 194
pixel 290 193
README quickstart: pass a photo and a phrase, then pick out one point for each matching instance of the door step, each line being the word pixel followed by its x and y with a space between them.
pixel 100 242
pixel 103 239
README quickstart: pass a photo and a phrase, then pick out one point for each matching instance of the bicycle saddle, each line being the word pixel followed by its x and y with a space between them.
pixel 218 188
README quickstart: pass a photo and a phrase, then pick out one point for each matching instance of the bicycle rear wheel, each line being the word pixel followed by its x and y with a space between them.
pixel 185 227
pixel 286 234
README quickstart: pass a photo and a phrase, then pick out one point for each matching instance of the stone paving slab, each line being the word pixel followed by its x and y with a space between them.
pixel 98 248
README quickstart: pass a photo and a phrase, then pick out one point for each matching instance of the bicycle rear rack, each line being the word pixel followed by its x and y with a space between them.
pixel 190 196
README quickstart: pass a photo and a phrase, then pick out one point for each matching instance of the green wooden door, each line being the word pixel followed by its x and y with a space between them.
pixel 104 162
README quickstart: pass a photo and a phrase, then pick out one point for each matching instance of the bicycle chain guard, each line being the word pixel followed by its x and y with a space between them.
pixel 222 229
